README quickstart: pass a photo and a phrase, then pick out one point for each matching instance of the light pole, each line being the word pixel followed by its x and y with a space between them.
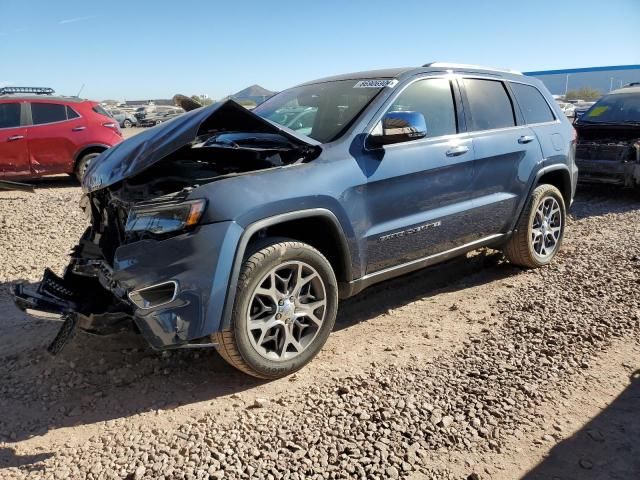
pixel 566 86
pixel 611 84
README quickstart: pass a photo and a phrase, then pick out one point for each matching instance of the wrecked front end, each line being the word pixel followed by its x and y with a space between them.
pixel 154 255
pixel 609 154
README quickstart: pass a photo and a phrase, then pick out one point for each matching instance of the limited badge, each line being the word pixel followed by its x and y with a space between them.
pixel 376 83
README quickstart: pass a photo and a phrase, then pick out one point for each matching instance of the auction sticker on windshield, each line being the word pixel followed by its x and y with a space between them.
pixel 376 83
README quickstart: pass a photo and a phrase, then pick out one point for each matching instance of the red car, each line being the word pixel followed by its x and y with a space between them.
pixel 42 134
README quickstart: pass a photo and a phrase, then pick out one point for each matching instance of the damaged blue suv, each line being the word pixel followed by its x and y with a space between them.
pixel 241 229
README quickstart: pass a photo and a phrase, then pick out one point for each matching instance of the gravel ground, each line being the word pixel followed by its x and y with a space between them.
pixel 401 395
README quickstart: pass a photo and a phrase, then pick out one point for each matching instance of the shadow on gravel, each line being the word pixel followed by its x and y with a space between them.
pixel 98 379
pixel 8 459
pixel 459 273
pixel 593 200
pixel 608 447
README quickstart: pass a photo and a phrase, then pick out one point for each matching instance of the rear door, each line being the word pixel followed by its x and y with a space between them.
pixel 418 197
pixel 14 151
pixel 56 133
pixel 505 149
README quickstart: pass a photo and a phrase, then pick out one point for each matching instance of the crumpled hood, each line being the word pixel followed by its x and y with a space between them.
pixel 138 153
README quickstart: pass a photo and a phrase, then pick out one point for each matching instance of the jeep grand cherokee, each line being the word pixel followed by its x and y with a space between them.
pixel 226 228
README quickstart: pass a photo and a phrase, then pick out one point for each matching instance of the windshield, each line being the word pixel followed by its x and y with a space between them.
pixel 618 108
pixel 322 111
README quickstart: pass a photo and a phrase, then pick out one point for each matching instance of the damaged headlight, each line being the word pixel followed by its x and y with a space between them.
pixel 165 218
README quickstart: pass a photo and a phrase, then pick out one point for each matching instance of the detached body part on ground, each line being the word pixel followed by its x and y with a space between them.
pixel 226 228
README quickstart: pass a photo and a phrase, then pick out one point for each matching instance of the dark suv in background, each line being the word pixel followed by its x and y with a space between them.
pixel 42 134
pixel 608 148
pixel 237 229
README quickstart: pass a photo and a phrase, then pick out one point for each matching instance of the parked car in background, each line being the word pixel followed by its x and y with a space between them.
pixel 581 107
pixel 125 119
pixel 160 117
pixel 42 134
pixel 608 148
pixel 568 109
pixel 227 229
pixel 146 110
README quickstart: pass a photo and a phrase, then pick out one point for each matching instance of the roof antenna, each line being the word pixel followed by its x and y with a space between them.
pixel 79 91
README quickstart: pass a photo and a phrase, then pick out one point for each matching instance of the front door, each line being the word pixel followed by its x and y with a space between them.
pixel 418 196
pixel 14 152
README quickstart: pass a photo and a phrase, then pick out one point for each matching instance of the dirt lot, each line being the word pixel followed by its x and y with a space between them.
pixel 471 369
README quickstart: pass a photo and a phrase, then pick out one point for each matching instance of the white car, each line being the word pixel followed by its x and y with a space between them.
pixel 568 109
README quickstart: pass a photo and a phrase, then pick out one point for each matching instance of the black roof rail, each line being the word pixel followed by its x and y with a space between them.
pixel 34 90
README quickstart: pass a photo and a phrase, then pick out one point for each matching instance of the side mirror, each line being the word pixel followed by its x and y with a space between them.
pixel 398 127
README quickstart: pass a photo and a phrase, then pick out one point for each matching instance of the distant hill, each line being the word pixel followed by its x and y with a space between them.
pixel 254 93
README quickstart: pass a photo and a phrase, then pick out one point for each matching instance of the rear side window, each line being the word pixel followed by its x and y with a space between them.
pixel 9 115
pixel 433 98
pixel 489 104
pixel 98 109
pixel 48 113
pixel 533 105
pixel 71 113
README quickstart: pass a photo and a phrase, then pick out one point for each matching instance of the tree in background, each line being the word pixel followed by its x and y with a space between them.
pixel 202 100
pixel 584 93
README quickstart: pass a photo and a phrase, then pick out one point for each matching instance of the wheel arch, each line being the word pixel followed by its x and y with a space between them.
pixel 557 175
pixel 302 226
pixel 87 149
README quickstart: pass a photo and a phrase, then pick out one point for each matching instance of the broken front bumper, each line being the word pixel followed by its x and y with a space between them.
pixel 607 171
pixel 173 289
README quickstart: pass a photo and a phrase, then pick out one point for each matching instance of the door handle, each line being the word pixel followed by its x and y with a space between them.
pixel 15 137
pixel 526 139
pixel 78 129
pixel 456 151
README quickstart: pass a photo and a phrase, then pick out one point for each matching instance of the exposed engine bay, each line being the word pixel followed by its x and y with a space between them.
pixel 141 190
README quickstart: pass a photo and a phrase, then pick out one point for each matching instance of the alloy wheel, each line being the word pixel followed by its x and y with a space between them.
pixel 546 228
pixel 286 311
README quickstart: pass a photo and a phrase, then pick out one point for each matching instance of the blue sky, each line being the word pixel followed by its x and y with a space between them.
pixel 153 49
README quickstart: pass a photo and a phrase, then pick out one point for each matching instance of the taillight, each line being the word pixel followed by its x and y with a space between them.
pixel 113 126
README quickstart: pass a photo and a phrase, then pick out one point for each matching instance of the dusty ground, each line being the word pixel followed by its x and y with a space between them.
pixel 469 368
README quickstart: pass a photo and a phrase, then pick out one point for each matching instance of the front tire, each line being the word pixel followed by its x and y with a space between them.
pixel 540 230
pixel 285 309
pixel 127 123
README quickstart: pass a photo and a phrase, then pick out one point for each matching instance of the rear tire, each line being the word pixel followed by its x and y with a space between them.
pixel 284 311
pixel 540 230
pixel 83 164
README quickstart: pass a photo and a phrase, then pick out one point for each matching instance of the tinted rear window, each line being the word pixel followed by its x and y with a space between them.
pixel 489 104
pixel 98 109
pixel 71 113
pixel 48 113
pixel 533 105
pixel 9 115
